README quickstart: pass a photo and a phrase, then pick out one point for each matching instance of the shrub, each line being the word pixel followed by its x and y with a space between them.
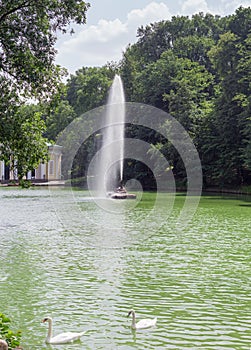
pixel 12 338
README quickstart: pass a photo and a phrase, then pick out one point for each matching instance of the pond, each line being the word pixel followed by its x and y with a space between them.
pixel 86 263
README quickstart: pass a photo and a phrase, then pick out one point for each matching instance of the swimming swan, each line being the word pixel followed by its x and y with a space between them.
pixel 3 345
pixel 63 338
pixel 145 323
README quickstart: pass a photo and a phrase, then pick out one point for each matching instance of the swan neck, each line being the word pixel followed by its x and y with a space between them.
pixel 133 320
pixel 49 335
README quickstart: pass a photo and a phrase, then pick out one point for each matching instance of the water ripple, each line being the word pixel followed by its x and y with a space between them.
pixel 197 282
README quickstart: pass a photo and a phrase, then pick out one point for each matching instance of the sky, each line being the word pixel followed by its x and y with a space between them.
pixel 112 25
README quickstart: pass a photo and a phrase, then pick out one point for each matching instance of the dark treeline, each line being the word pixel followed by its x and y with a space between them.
pixel 197 69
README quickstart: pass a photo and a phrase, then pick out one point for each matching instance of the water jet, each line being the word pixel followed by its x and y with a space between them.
pixel 110 166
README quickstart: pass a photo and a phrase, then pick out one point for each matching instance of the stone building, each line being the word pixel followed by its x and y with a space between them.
pixel 50 171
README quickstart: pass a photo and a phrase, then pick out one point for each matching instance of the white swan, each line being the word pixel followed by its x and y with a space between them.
pixel 63 338
pixel 3 345
pixel 145 323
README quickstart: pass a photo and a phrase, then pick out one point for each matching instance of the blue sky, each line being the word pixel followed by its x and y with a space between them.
pixel 112 25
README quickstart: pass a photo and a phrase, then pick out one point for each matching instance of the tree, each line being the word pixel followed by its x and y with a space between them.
pixel 198 70
pixel 195 48
pixel 25 147
pixel 231 116
pixel 129 67
pixel 58 119
pixel 28 33
pixel 88 88
pixel 12 338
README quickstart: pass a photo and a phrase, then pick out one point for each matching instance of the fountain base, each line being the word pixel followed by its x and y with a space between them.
pixel 121 193
pixel 123 196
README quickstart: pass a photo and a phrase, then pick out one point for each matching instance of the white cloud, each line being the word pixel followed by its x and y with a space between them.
pixel 190 7
pixel 229 7
pixel 97 44
pixel 151 13
pixel 219 7
pixel 103 32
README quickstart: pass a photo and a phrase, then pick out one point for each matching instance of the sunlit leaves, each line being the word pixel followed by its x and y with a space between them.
pixel 28 33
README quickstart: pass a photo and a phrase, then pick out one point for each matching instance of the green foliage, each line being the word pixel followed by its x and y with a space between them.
pixel 89 87
pixel 85 90
pixel 24 146
pixel 28 33
pixel 231 114
pixel 11 337
pixel 199 70
pixel 58 119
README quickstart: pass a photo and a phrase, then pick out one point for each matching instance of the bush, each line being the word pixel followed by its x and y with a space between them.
pixel 12 338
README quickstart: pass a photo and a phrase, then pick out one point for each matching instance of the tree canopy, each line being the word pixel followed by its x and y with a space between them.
pixel 195 68
pixel 198 70
pixel 28 33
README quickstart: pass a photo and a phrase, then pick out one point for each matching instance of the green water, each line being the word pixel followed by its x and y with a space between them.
pixel 87 269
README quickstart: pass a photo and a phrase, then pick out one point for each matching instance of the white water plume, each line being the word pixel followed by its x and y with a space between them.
pixel 111 154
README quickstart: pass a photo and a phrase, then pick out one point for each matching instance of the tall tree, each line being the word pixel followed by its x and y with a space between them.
pixel 25 147
pixel 230 58
pixel 88 88
pixel 198 69
pixel 58 119
pixel 28 33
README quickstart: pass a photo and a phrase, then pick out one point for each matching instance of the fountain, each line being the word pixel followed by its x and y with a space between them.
pixel 111 155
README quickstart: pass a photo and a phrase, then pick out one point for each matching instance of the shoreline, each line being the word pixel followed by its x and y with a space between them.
pixel 63 183
pixel 227 191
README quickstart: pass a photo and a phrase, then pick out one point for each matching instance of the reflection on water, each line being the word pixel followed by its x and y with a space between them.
pixel 87 269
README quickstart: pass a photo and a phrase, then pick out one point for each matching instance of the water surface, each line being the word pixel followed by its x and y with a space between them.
pixel 88 268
